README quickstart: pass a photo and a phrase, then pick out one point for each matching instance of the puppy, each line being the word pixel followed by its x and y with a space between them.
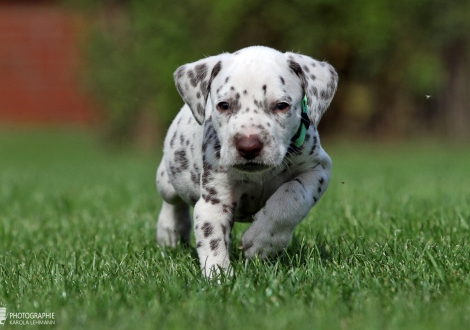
pixel 244 147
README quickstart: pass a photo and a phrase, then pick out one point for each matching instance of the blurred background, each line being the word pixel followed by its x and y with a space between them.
pixel 107 65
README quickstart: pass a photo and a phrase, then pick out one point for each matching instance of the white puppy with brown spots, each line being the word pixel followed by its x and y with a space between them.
pixel 245 147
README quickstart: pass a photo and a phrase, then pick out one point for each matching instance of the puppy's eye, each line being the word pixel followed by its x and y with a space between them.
pixel 282 106
pixel 223 106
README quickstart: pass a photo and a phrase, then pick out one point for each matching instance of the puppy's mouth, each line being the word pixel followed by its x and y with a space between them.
pixel 251 167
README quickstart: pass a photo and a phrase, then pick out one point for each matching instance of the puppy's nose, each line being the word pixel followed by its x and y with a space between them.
pixel 248 147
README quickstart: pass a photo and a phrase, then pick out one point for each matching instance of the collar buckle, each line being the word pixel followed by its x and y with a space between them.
pixel 299 136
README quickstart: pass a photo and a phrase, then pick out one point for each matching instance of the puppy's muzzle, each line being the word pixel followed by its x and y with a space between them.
pixel 248 147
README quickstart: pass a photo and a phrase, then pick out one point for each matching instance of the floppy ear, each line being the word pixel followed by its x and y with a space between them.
pixel 193 82
pixel 319 81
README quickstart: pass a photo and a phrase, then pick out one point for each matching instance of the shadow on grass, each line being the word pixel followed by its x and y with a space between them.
pixel 298 255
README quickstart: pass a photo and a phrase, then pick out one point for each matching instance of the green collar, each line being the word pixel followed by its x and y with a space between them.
pixel 299 136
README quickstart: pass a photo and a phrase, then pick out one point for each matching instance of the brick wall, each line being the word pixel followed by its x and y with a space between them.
pixel 39 62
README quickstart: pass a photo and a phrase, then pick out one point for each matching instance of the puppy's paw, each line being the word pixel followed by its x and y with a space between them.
pixel 261 242
pixel 167 236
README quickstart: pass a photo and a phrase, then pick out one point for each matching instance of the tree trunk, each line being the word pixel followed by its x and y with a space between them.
pixel 456 105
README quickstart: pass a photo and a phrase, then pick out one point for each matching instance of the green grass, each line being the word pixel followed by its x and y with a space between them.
pixel 386 248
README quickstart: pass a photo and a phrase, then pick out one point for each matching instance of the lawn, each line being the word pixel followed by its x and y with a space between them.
pixel 387 247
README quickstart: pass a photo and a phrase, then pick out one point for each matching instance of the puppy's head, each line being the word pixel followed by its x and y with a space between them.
pixel 254 99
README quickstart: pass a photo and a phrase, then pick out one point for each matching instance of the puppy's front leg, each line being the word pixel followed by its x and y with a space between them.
pixel 213 222
pixel 275 223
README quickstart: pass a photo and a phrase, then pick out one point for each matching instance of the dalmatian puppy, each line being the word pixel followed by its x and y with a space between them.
pixel 245 148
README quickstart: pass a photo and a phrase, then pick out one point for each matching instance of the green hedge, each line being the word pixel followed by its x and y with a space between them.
pixel 389 55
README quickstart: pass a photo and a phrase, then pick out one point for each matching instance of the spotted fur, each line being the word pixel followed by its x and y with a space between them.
pixel 237 160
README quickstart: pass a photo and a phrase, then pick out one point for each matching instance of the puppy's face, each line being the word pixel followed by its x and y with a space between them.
pixel 255 103
pixel 253 98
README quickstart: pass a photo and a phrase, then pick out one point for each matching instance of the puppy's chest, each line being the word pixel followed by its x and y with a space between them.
pixel 252 195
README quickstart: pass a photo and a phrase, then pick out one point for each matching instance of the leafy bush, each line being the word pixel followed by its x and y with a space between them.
pixel 396 53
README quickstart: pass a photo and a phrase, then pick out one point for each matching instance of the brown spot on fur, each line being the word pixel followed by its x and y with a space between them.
pixel 207 229
pixel 214 244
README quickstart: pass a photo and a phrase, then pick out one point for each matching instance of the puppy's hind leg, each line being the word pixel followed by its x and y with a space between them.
pixel 174 224
pixel 174 221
